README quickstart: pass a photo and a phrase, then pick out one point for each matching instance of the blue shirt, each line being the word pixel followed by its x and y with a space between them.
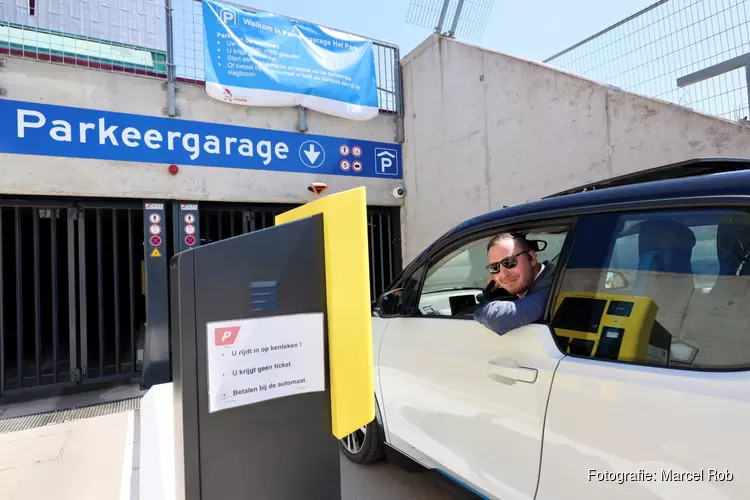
pixel 502 316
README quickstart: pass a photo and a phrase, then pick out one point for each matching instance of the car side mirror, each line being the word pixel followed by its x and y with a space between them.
pixel 388 302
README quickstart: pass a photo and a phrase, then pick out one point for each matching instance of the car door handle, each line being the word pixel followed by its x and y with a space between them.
pixel 508 371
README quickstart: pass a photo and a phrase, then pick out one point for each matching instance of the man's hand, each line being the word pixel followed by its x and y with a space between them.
pixel 486 293
pixel 494 278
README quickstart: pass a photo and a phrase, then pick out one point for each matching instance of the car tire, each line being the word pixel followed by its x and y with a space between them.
pixel 365 445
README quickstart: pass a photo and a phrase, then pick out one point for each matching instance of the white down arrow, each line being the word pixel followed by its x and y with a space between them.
pixel 311 154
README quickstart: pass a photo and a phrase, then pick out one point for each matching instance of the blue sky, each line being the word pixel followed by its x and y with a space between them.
pixel 530 29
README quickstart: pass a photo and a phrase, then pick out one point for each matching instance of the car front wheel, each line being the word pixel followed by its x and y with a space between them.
pixel 365 445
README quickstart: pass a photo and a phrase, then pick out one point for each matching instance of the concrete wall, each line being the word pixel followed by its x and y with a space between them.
pixel 32 81
pixel 484 130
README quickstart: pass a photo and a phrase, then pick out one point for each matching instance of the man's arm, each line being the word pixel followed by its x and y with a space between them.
pixel 504 316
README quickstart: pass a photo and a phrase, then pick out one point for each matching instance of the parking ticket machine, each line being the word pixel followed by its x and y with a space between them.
pixel 611 326
pixel 272 355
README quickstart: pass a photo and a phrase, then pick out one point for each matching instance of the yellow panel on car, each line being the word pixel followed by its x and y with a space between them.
pixel 348 302
pixel 608 326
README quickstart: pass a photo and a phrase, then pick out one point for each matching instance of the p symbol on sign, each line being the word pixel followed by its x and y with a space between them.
pixel 386 162
pixel 226 335
pixel 228 17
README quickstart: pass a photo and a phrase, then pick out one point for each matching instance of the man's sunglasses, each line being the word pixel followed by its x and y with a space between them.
pixel 508 263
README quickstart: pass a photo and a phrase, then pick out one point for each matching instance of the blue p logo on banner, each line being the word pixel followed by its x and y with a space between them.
pixel 228 17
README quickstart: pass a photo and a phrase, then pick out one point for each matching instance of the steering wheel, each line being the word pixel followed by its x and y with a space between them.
pixel 490 293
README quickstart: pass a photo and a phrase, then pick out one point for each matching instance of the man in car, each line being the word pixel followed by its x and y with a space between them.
pixel 513 266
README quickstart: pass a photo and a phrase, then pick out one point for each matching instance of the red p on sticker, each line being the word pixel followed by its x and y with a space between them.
pixel 226 335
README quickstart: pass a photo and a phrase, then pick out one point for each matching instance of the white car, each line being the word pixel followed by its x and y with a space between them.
pixel 634 385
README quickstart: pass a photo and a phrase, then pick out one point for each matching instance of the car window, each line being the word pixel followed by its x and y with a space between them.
pixel 402 300
pixel 667 288
pixel 454 283
pixel 704 261
pixel 464 268
pixel 554 245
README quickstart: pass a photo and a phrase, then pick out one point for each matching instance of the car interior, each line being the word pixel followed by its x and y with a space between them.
pixel 456 285
pixel 692 266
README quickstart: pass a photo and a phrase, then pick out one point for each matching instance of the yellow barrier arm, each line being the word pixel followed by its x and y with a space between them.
pixel 348 301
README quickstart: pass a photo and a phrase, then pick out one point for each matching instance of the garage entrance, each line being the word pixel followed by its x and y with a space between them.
pixel 72 305
pixel 223 220
pixel 73 285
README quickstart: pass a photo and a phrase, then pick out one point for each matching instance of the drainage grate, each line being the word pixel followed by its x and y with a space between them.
pixel 57 417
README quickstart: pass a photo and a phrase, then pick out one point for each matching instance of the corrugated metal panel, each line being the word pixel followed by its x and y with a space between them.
pixel 58 417
pixel 129 22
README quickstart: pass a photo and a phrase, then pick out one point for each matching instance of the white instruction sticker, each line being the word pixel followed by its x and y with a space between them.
pixel 254 360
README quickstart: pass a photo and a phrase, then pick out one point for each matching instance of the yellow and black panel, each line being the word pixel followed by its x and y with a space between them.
pixel 608 326
pixel 348 316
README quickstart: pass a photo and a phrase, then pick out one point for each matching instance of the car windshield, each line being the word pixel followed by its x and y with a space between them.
pixel 466 268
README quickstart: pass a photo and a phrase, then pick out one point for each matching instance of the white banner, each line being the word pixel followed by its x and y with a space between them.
pixel 254 360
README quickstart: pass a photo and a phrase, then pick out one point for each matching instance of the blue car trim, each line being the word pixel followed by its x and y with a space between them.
pixel 461 483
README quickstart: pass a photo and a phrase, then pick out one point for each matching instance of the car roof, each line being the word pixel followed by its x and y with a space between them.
pixel 692 178
pixel 684 169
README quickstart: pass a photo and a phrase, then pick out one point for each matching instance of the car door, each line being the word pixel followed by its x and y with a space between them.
pixel 653 400
pixel 456 395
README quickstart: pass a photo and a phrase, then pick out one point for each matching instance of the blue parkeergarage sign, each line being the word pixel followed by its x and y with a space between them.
pixel 47 130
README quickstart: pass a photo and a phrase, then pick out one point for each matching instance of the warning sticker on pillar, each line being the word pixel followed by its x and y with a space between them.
pixel 154 216
pixel 255 360
pixel 156 362
pixel 189 232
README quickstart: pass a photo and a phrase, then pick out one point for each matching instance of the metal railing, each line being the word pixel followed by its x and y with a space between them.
pixel 127 36
pixel 462 18
pixel 131 36
pixel 650 51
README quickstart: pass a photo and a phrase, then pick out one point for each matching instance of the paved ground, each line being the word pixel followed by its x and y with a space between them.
pixel 97 459
pixel 383 481
pixel 82 459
